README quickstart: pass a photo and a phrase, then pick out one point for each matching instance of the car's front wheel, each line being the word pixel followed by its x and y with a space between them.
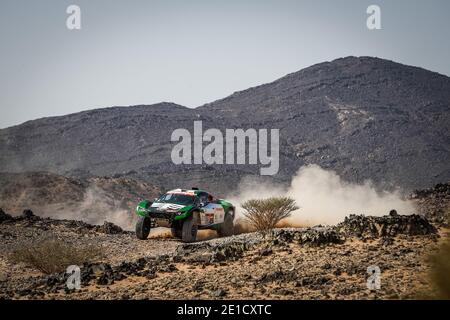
pixel 143 227
pixel 189 230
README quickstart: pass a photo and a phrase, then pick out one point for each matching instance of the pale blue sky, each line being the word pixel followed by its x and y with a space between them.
pixel 193 51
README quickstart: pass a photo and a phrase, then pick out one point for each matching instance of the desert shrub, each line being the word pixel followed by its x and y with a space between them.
pixel 264 214
pixel 52 256
pixel 439 273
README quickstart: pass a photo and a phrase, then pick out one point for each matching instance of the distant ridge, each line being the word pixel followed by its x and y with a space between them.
pixel 366 118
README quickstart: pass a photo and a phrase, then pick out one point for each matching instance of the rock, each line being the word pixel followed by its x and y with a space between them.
pixel 4 216
pixel 218 293
pixel 110 228
pixel 321 236
pixel 229 250
pixel 279 275
pixel 387 226
pixel 434 203
pixel 283 291
pixel 386 241
pixel 208 252
pixel 314 236
pixel 198 286
pixel 129 268
pixel 265 252
pixel 29 215
pixel 98 269
pixel 149 274
pixel 167 268
pixel 3 277
pixel 393 213
pixel 119 276
pixel 105 279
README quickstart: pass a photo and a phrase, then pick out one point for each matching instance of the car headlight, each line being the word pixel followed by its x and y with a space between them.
pixel 140 209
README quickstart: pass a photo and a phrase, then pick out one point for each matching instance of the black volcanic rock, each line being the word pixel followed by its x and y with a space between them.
pixel 315 236
pixel 109 228
pixel 28 214
pixel 366 118
pixel 4 216
pixel 386 226
pixel 434 203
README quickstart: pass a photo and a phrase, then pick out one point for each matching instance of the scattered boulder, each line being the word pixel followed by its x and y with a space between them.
pixel 97 269
pixel 29 215
pixel 314 236
pixel 4 216
pixel 439 189
pixel 167 268
pixel 75 224
pixel 265 252
pixel 207 252
pixel 278 276
pixel 387 226
pixel 218 293
pixel 229 251
pixel 109 228
pixel 101 274
pixel 386 241
pixel 233 248
pixel 434 203
pixel 393 213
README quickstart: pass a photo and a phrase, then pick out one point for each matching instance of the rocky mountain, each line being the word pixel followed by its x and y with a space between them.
pixel 366 118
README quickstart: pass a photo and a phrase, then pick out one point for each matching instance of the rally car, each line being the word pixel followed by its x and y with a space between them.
pixel 185 211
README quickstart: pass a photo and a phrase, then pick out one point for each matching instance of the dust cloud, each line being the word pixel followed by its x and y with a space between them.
pixel 324 198
pixel 96 208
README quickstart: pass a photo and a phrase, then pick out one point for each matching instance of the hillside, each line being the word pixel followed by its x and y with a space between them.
pixel 93 200
pixel 366 118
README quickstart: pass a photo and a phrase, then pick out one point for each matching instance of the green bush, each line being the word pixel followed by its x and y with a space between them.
pixel 264 214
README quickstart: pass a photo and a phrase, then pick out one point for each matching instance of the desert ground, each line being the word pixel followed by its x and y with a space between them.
pixel 289 263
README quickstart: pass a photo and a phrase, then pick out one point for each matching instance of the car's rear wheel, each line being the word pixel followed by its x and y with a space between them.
pixel 143 227
pixel 226 229
pixel 189 230
pixel 176 232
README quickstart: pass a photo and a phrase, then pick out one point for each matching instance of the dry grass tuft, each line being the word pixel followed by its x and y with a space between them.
pixel 440 271
pixel 51 256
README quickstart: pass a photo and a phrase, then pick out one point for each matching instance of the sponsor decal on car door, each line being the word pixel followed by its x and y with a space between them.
pixel 213 213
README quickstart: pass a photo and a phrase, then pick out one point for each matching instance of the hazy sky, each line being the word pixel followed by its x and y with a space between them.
pixel 193 51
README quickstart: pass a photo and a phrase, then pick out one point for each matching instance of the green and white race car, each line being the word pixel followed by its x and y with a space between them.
pixel 185 212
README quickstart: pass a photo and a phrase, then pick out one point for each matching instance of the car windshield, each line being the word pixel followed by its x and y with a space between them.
pixel 177 198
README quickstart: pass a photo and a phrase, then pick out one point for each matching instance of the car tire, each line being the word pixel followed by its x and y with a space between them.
pixel 189 230
pixel 226 229
pixel 143 227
